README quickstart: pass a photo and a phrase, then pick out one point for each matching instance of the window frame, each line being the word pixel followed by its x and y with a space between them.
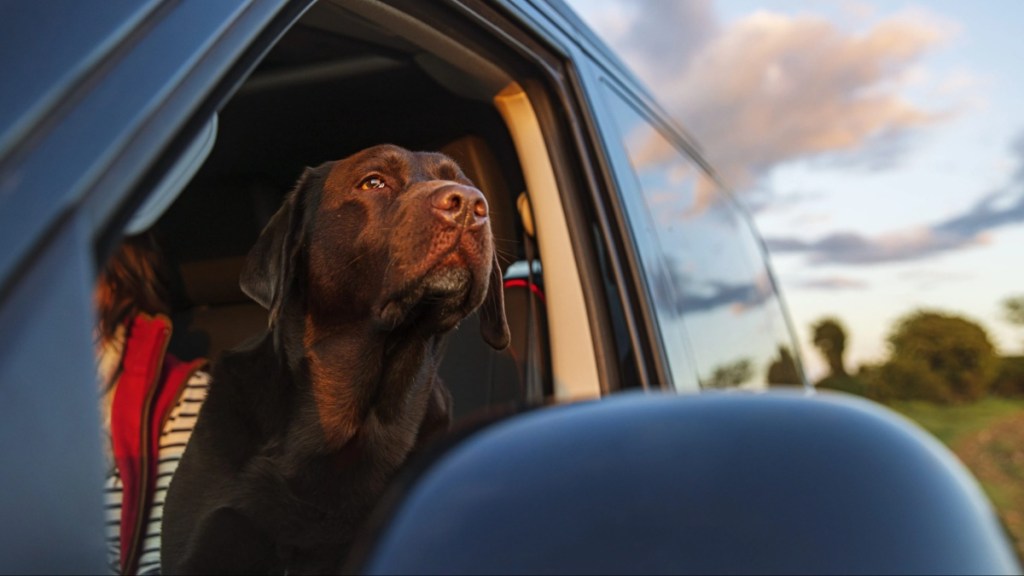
pixel 66 206
pixel 523 38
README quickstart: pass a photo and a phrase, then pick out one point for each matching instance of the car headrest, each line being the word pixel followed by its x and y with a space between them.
pixel 717 483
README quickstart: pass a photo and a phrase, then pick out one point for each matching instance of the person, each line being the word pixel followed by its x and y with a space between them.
pixel 149 401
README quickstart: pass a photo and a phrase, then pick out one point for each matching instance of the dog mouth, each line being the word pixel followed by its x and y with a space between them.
pixel 446 282
pixel 439 293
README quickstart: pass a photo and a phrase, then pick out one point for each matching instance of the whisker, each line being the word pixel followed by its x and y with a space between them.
pixel 387 269
pixel 509 255
pixel 506 241
pixel 352 262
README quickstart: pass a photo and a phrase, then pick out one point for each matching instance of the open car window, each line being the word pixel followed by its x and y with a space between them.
pixel 335 83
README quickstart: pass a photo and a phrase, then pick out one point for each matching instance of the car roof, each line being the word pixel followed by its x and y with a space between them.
pixel 47 48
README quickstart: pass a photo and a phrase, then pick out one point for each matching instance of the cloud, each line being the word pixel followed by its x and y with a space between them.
pixel 834 283
pixel 739 297
pixel 927 279
pixel 689 294
pixel 999 208
pixel 772 88
pixel 689 26
pixel 853 248
pixel 968 229
pixel 654 37
pixel 994 210
pixel 763 199
pixel 769 89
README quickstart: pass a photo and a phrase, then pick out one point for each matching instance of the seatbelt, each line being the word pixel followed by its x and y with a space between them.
pixel 534 380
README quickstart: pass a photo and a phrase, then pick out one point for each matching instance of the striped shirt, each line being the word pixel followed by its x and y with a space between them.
pixel 173 439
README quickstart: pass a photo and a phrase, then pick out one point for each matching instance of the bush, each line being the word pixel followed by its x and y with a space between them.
pixel 1009 380
pixel 908 379
pixel 844 383
pixel 938 357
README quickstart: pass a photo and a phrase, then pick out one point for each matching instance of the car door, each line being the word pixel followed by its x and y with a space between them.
pixel 94 95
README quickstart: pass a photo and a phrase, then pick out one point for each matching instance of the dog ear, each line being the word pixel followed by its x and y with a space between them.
pixel 493 324
pixel 270 263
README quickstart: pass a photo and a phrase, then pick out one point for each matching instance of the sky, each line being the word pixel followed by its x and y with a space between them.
pixel 878 145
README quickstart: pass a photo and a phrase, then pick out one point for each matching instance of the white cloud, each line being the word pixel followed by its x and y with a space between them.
pixel 834 283
pixel 775 88
pixel 772 88
pixel 1003 206
pixel 654 37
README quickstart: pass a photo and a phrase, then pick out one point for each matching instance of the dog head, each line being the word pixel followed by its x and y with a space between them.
pixel 387 236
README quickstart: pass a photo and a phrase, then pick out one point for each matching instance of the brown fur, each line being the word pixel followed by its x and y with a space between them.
pixel 303 429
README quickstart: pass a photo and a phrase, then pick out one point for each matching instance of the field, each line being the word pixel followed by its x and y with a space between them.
pixel 988 436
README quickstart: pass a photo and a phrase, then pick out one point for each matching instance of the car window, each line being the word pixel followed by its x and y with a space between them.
pixel 326 90
pixel 714 293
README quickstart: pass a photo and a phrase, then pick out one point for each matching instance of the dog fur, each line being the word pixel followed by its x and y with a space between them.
pixel 370 261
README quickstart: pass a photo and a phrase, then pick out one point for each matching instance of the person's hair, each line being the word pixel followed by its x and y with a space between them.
pixel 133 281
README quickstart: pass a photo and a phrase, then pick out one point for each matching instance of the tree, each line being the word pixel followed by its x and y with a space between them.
pixel 1013 309
pixel 830 339
pixel 1009 380
pixel 784 370
pixel 730 375
pixel 907 378
pixel 939 357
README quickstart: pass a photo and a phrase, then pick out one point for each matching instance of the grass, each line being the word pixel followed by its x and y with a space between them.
pixel 988 436
pixel 953 423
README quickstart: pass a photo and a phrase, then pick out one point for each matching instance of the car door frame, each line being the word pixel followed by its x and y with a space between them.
pixel 540 34
pixel 139 104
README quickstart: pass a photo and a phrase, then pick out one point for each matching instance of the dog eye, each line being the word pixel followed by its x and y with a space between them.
pixel 372 183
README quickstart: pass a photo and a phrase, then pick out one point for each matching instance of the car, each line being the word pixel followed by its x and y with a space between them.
pixel 652 415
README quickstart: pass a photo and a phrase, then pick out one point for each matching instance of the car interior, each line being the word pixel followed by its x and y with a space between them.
pixel 323 92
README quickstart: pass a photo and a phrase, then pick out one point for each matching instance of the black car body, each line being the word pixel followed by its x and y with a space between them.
pixel 641 273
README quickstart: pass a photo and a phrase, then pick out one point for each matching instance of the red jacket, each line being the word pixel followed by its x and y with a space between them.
pixel 150 385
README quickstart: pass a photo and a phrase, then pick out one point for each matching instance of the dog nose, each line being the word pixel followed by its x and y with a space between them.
pixel 460 205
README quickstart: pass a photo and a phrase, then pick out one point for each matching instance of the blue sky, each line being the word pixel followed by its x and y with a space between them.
pixel 880 146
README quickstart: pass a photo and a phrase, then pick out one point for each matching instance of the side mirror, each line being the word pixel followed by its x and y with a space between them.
pixel 716 483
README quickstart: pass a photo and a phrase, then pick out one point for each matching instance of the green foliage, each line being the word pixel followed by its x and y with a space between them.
pixel 933 356
pixel 908 378
pixel 1009 380
pixel 892 381
pixel 849 384
pixel 783 370
pixel 830 339
pixel 730 375
pixel 866 382
pixel 1013 308
pixel 937 357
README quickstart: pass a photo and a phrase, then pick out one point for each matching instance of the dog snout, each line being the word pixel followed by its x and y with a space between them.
pixel 460 205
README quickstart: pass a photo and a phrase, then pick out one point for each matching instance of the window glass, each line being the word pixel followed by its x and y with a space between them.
pixel 713 291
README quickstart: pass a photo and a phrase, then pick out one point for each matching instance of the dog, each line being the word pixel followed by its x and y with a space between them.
pixel 369 262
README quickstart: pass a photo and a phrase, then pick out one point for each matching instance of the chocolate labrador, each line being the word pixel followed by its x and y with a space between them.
pixel 366 266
